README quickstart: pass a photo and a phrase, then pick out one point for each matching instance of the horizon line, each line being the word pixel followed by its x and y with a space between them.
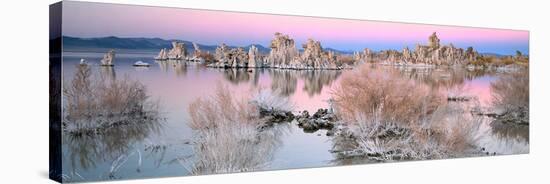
pixel 267 47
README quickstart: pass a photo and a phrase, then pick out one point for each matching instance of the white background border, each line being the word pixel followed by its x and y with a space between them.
pixel 24 91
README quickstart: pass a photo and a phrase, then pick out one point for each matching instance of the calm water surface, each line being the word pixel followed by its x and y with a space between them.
pixel 132 153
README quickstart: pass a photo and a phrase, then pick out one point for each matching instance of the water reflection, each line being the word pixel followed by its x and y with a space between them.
pixel 283 81
pixel 504 139
pixel 238 147
pixel 315 80
pixel 229 135
pixel 141 69
pixel 180 68
pixel 510 131
pixel 444 129
pixel 439 77
pixel 108 72
pixel 235 148
pixel 104 120
pixel 86 151
pixel 163 65
pixel 511 98
pixel 241 75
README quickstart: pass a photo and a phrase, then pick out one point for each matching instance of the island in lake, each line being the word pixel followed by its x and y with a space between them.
pixel 281 92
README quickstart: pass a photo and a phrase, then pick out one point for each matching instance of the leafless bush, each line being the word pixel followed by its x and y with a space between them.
pixel 511 96
pixel 233 148
pixel 93 104
pixel 511 91
pixel 454 135
pixel 79 94
pixel 222 109
pixel 265 99
pixel 365 90
pixel 228 137
pixel 394 118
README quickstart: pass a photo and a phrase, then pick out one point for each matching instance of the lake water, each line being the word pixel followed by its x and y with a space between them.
pixel 158 150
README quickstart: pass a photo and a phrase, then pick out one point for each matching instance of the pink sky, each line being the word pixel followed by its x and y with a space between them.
pixel 84 19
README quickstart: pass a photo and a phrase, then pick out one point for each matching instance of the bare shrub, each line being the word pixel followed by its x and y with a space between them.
pixel 265 99
pixel 222 109
pixel 233 148
pixel 122 96
pixel 445 135
pixel 381 140
pixel 511 91
pixel 365 90
pixel 451 129
pixel 511 96
pixel 93 104
pixel 227 135
pixel 393 118
pixel 78 95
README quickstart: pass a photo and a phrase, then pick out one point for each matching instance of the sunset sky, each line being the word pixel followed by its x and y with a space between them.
pixel 81 19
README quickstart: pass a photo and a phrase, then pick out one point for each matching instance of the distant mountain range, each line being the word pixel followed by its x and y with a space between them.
pixel 112 42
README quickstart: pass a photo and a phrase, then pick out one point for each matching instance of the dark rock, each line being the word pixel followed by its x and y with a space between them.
pixel 272 116
pixel 321 119
pixel 320 113
pixel 459 99
pixel 330 133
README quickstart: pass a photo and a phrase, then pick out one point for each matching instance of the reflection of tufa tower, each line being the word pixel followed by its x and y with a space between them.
pixel 433 41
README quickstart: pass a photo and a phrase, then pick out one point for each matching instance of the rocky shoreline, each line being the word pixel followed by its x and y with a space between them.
pixel 284 54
